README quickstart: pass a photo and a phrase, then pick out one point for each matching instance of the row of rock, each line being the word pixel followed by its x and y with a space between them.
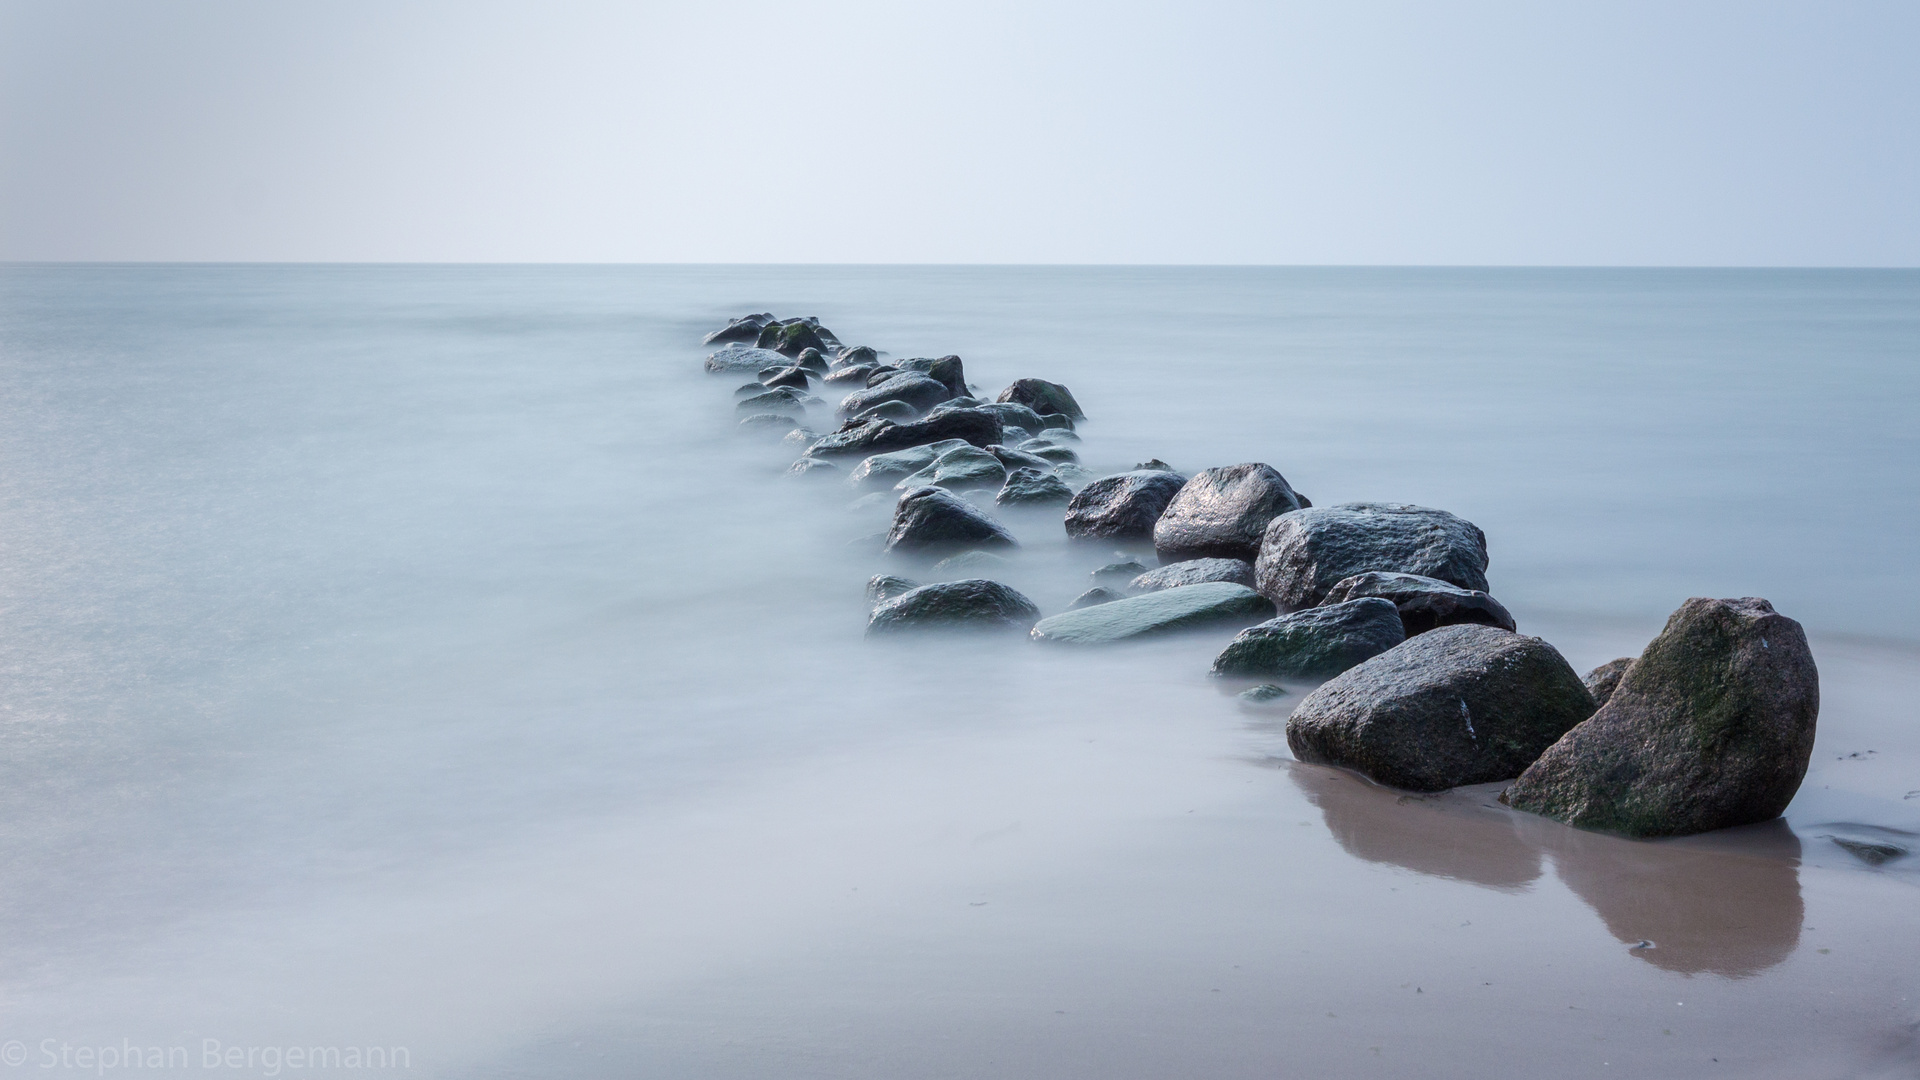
pixel 1429 683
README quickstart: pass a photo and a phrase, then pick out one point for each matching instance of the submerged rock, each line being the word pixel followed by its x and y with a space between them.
pixel 959 468
pixel 1424 602
pixel 884 587
pixel 934 519
pixel 975 604
pixel 877 436
pixel 1457 705
pixel 1187 608
pixel 800 437
pixel 1605 679
pixel 780 399
pixel 1119 573
pixel 1194 572
pixel 1307 552
pixel 1072 475
pixel 1122 507
pixel 897 411
pixel 1019 459
pixel 736 359
pixel 770 423
pixel 1050 452
pixel 746 328
pixel 1093 596
pixel 1316 643
pixel 886 470
pixel 1031 487
pixel 1712 726
pixel 972 562
pixel 1263 696
pixel 1043 397
pixel 814 467
pixel 911 387
pixel 1223 513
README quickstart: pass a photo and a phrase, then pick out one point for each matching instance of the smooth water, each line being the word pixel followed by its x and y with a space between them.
pixel 420 657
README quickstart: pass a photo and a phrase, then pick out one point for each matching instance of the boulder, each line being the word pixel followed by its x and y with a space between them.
pixel 1307 552
pixel 1190 607
pixel 1031 487
pixel 855 354
pixel 886 470
pixel 959 468
pixel 1042 397
pixel 946 370
pixel 746 329
pixel 1603 680
pixel 1317 643
pixel 877 436
pixel 737 359
pixel 1223 513
pixel 1712 726
pixel 1457 705
pixel 897 411
pixel 975 604
pixel 855 375
pixel 795 377
pixel 884 587
pixel 771 423
pixel 1095 595
pixel 790 337
pixel 915 389
pixel 932 519
pixel 780 399
pixel 812 360
pixel 1122 507
pixel 1193 572
pixel 1424 602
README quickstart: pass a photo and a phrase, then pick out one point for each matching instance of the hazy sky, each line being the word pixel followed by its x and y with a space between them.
pixel 727 130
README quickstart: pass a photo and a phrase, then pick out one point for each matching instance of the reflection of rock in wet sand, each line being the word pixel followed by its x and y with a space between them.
pixel 1726 902
pixel 1453 835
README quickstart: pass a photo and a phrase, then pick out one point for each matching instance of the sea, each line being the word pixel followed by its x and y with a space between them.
pixel 417 671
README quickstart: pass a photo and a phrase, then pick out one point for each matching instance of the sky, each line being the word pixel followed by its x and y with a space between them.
pixel 1350 132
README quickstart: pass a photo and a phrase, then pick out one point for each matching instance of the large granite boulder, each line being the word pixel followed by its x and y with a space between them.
pixel 1457 705
pixel 1711 727
pixel 1424 602
pixel 744 329
pixel 1223 513
pixel 1307 552
pixel 1605 679
pixel 935 520
pixel 959 468
pixel 1193 572
pixel 947 370
pixel 1317 643
pixel 1188 608
pixel 911 387
pixel 974 604
pixel 745 359
pixel 878 436
pixel 1043 397
pixel 1120 507
pixel 1032 487
pixel 886 470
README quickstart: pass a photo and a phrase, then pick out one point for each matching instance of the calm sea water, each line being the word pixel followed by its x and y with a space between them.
pixel 420 657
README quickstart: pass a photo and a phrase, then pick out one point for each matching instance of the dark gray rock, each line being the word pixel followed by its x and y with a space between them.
pixel 791 337
pixel 1119 573
pixel 884 587
pixel 855 375
pixel 769 423
pixel 795 377
pixel 1457 705
pixel 886 470
pixel 746 329
pixel 1031 487
pixel 1122 507
pixel 1712 726
pixel 744 359
pixel 1050 452
pixel 897 411
pixel 1223 513
pixel 1014 435
pixel 1093 596
pixel 1424 602
pixel 946 370
pixel 934 520
pixel 1042 397
pixel 881 373
pixel 1012 415
pixel 813 467
pixel 780 399
pixel 1155 465
pixel 1019 459
pixel 1603 680
pixel 1192 607
pixel 877 436
pixel 975 604
pixel 1264 696
pixel 959 468
pixel 855 354
pixel 1307 552
pixel 915 389
pixel 1317 643
pixel 1194 572
pixel 812 360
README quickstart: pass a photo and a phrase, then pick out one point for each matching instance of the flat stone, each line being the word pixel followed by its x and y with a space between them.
pixel 1190 607
pixel 1307 552
pixel 1712 726
pixel 1223 513
pixel 1194 572
pixel 1424 602
pixel 1317 643
pixel 975 604
pixel 1122 507
pixel 1458 705
pixel 932 519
